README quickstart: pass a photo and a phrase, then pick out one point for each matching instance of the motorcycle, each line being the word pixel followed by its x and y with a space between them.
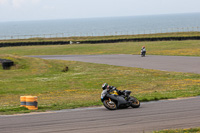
pixel 113 101
pixel 143 53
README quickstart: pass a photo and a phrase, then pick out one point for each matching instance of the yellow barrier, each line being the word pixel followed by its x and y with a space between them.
pixel 23 101
pixel 30 102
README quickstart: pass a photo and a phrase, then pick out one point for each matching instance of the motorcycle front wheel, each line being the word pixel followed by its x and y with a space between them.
pixel 135 103
pixel 111 105
pixel 143 55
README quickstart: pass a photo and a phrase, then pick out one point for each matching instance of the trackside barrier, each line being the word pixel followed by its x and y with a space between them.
pixel 29 102
pixel 23 101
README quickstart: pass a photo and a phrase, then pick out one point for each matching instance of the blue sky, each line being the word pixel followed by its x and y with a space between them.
pixel 20 10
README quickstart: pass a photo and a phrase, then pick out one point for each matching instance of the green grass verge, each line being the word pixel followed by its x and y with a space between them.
pixel 190 130
pixel 80 86
pixel 176 48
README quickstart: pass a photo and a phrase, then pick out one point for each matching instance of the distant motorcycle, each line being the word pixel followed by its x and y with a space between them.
pixel 143 53
pixel 113 101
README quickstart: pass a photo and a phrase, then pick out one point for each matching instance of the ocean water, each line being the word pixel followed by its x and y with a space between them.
pixel 101 26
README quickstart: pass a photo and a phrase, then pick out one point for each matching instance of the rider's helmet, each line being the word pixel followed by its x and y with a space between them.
pixel 104 86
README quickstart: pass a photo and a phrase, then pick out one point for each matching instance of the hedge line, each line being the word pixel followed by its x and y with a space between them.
pixel 101 41
pixel 145 39
pixel 33 43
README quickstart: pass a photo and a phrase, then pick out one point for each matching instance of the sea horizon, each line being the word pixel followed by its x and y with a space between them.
pixel 101 26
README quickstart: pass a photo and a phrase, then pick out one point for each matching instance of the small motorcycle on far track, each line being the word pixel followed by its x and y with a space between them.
pixel 143 53
pixel 113 101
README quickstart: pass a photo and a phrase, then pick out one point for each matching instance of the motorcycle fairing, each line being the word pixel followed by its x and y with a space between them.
pixel 119 99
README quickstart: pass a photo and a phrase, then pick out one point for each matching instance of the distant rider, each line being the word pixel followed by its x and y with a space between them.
pixel 143 50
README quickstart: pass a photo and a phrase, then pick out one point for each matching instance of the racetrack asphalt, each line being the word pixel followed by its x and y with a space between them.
pixel 164 114
pixel 164 63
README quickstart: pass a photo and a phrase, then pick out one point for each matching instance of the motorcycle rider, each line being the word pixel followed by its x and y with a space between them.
pixel 113 99
pixel 109 89
pixel 143 50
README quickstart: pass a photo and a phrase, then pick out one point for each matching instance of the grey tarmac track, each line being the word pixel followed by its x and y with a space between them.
pixel 164 63
pixel 164 114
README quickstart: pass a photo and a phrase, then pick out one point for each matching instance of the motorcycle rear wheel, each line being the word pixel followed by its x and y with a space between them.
pixel 111 105
pixel 135 103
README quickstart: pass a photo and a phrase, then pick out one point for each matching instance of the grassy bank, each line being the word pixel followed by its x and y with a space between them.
pixel 177 48
pixel 81 85
pixel 190 130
